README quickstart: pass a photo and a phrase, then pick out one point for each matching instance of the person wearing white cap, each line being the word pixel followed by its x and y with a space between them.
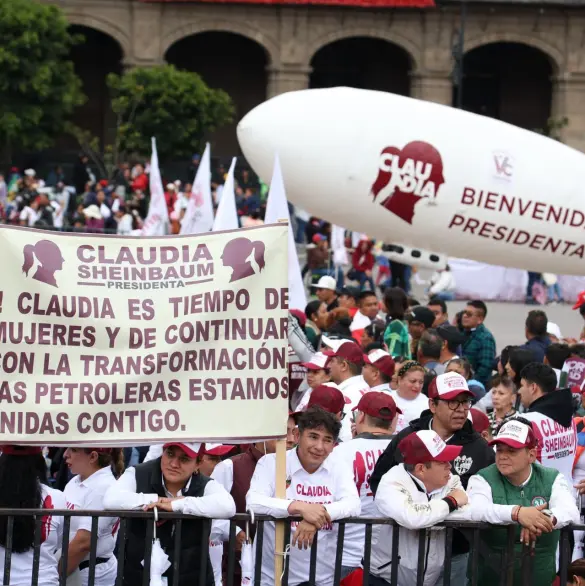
pixel 317 374
pixel 345 364
pixel 417 494
pixel 170 483
pixel 518 490
pixel 554 332
pixel 375 419
pixel 319 488
pixel 326 291
pixel 449 401
pixel 378 370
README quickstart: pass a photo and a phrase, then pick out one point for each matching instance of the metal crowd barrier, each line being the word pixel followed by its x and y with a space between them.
pixel 506 571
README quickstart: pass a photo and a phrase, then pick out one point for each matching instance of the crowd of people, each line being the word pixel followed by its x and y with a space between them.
pixel 400 413
pixel 85 202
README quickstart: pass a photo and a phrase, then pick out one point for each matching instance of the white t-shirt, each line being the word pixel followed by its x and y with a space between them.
pixel 51 536
pixel 330 485
pixel 361 453
pixel 411 409
pixel 29 216
pixel 353 388
pixel 89 495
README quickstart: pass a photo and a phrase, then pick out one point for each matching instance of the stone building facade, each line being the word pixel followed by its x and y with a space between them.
pixel 524 62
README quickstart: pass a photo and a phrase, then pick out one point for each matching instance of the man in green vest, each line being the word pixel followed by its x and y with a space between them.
pixel 516 489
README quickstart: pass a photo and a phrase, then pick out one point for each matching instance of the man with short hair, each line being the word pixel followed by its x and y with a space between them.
pixel 536 334
pixel 429 351
pixel 449 403
pixel 375 421
pixel 551 413
pixel 479 347
pixel 516 489
pixel 319 488
pixel 348 299
pixel 326 291
pixel 439 308
pixel 368 306
pixel 345 367
pixel 452 339
pixel 378 370
pixel 418 493
pixel 420 319
pixel 171 483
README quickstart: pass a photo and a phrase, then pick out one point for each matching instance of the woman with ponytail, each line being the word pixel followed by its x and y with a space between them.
pixel 96 469
pixel 23 478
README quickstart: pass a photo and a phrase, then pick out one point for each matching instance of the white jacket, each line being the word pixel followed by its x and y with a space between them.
pixel 441 282
pixel 403 498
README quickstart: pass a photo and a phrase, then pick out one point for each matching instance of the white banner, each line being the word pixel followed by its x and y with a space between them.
pixel 157 220
pixel 198 216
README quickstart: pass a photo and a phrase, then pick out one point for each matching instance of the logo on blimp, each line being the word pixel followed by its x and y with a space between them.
pixel 406 176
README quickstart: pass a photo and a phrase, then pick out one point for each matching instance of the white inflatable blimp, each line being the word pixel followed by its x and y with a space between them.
pixel 425 175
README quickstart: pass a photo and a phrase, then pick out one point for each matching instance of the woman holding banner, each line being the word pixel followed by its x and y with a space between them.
pixel 96 470
pixel 23 478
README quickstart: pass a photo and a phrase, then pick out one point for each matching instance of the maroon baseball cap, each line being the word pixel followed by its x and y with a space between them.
pixel 447 386
pixel 426 446
pixel 515 434
pixel 327 396
pixel 479 420
pixel 378 404
pixel 349 351
pixel 382 361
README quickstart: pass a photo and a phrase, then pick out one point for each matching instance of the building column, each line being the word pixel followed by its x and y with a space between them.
pixel 287 78
pixel 432 86
pixel 569 102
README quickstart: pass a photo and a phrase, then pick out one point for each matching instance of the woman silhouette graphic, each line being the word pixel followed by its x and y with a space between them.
pixel 236 254
pixel 50 259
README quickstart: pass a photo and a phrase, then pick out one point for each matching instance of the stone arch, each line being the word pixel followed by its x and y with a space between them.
pixel 411 49
pixel 555 55
pixel 269 45
pixel 104 26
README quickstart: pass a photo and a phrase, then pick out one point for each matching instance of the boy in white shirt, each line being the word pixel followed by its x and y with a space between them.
pixel 319 488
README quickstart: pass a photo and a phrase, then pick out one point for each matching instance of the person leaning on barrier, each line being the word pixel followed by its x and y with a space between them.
pixel 449 405
pixel 23 485
pixel 319 488
pixel 516 489
pixel 170 483
pixel 417 494
pixel 96 470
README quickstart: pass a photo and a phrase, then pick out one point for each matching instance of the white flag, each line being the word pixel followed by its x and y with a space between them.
pixel 199 213
pixel 157 220
pixel 226 217
pixel 338 246
pixel 277 209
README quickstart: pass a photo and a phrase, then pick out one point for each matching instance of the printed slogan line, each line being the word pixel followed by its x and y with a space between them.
pixel 91 284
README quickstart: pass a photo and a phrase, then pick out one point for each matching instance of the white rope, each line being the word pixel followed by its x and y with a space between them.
pixel 284 554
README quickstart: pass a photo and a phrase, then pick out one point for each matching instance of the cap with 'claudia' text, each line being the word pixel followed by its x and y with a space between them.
pixel 447 386
pixel 515 434
pixel 382 361
pixel 349 351
pixel 378 404
pixel 426 446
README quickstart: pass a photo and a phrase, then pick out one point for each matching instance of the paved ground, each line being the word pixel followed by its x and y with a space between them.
pixel 506 320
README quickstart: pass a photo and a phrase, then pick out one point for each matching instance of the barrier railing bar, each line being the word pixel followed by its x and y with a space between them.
pixel 121 551
pixel 448 549
pixel 148 552
pixel 339 553
pixel 259 545
pixel 395 555
pixel 37 550
pixel 8 549
pixel 231 555
pixel 93 549
pixel 565 556
pixel 177 548
pixel 205 534
pixel 64 552
pixel 313 560
pixel 367 554
pixel 475 557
